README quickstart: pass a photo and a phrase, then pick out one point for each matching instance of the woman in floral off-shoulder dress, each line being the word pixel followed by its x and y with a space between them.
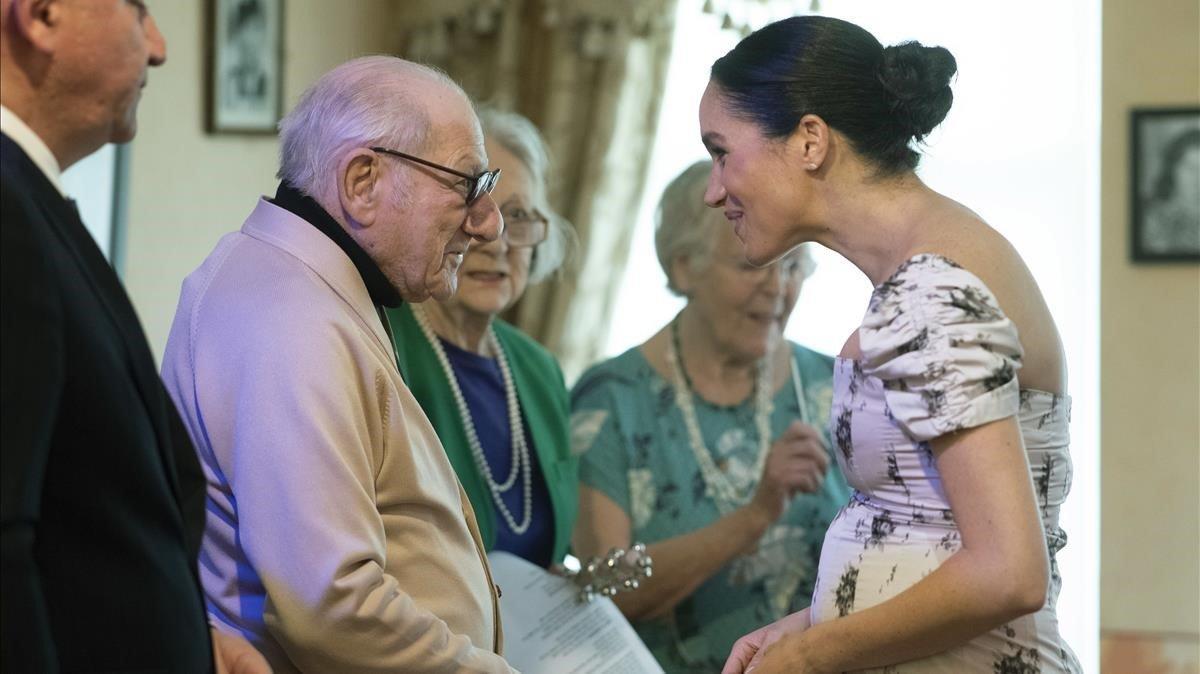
pixel 950 412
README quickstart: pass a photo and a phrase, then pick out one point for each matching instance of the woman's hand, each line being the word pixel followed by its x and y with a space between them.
pixel 797 463
pixel 748 652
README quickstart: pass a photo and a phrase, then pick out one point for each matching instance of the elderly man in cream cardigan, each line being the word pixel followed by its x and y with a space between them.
pixel 338 537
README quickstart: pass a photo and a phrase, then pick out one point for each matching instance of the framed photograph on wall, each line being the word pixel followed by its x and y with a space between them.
pixel 245 65
pixel 1165 152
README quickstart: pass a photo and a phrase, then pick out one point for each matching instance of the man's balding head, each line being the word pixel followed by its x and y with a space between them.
pixel 412 219
pixel 373 100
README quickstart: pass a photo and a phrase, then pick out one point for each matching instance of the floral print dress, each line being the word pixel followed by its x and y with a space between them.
pixel 634 448
pixel 938 355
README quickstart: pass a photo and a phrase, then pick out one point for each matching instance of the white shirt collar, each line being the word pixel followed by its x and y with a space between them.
pixel 20 133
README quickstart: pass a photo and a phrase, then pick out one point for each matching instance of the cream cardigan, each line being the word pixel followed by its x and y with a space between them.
pixel 338 538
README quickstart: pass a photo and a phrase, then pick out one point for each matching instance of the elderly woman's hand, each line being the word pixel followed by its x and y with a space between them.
pixel 797 463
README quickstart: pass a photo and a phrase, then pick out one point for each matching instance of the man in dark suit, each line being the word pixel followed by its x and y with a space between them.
pixel 103 498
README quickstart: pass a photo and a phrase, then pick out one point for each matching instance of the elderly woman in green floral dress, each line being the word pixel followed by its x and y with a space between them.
pixel 707 442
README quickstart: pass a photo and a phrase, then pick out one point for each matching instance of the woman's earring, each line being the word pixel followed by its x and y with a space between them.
pixel 812 167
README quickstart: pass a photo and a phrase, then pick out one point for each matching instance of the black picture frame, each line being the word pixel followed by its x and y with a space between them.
pixel 244 66
pixel 1164 190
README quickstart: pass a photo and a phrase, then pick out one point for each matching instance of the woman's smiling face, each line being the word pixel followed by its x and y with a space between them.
pixel 745 307
pixel 494 274
pixel 757 181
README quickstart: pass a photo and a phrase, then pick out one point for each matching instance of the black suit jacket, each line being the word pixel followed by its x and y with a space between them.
pixel 103 498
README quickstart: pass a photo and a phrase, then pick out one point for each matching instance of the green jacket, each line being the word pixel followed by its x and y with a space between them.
pixel 545 410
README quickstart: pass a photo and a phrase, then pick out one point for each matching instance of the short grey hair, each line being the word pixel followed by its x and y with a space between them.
pixel 363 102
pixel 519 136
pixel 686 227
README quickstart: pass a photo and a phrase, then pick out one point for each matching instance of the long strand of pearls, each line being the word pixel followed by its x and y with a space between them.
pixel 717 485
pixel 520 461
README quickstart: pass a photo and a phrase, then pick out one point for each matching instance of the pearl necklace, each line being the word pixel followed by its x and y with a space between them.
pixel 716 483
pixel 520 449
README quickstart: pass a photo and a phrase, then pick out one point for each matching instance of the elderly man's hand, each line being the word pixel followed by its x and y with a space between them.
pixel 234 655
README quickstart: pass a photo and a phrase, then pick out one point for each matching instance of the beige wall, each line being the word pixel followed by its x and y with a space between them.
pixel 1150 346
pixel 188 188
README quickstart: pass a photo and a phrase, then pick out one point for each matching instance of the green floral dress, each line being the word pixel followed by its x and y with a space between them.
pixel 634 448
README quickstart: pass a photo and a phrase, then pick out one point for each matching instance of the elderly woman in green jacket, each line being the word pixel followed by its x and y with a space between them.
pixel 497 398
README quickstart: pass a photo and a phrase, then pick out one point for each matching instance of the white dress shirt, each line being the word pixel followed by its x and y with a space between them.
pixel 20 133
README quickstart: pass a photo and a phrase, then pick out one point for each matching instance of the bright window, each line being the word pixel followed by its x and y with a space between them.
pixel 92 183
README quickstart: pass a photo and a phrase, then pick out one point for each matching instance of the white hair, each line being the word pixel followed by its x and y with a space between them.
pixel 685 226
pixel 519 136
pixel 363 102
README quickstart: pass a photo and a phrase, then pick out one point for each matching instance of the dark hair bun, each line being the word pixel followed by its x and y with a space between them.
pixel 917 80
pixel 881 99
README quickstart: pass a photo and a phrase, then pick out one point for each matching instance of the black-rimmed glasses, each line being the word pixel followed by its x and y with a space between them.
pixel 477 185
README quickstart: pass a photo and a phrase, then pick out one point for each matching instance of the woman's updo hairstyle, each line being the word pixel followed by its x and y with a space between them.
pixel 880 98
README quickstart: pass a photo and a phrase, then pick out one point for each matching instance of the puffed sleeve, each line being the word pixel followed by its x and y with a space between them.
pixel 946 353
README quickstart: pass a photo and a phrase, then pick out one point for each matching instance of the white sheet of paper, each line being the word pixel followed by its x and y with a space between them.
pixel 547 630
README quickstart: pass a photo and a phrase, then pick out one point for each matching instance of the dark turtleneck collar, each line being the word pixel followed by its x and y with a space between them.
pixel 304 206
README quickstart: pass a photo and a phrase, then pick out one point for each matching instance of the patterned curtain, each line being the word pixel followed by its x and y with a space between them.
pixel 590 74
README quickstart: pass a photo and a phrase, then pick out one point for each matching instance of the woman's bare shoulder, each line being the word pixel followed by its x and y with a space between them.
pixel 983 251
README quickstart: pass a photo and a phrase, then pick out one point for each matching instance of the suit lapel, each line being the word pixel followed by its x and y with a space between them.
pixel 65 222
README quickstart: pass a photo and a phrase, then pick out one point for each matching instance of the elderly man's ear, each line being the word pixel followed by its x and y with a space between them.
pixel 361 188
